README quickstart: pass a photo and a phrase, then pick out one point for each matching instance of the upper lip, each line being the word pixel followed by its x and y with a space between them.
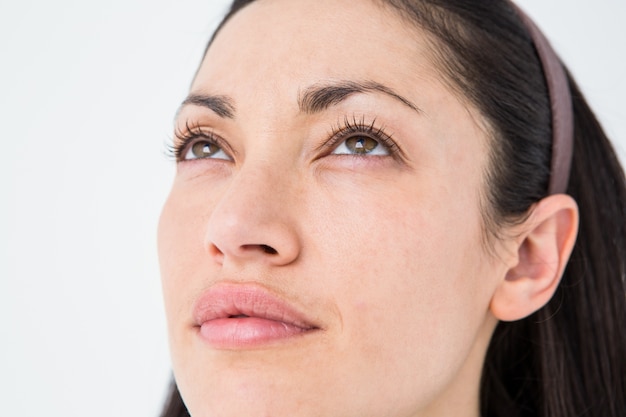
pixel 226 300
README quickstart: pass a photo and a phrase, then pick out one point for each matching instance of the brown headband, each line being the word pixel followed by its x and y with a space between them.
pixel 560 105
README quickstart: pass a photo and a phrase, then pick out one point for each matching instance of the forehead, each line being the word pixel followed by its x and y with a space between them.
pixel 273 42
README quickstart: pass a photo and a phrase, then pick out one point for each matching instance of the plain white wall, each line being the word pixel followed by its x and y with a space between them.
pixel 88 91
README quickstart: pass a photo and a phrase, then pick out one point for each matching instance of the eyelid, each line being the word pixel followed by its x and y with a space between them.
pixel 186 137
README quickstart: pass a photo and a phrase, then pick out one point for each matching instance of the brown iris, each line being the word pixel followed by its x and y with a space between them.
pixel 204 149
pixel 361 144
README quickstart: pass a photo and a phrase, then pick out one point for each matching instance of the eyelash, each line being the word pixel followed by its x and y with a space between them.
pixel 351 127
pixel 186 136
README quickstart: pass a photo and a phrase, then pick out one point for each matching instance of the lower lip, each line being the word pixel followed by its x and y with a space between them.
pixel 247 332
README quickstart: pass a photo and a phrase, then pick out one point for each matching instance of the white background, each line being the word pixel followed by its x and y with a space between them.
pixel 88 91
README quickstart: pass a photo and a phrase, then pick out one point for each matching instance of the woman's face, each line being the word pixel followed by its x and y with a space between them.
pixel 322 247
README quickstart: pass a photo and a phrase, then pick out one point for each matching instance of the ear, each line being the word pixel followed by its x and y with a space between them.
pixel 543 248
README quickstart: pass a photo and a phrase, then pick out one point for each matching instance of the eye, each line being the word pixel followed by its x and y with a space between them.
pixel 194 142
pixel 205 149
pixel 361 145
pixel 357 138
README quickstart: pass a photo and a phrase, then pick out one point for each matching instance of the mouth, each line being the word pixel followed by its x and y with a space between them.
pixel 239 316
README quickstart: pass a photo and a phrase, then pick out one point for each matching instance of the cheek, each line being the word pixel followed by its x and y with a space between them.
pixel 172 260
pixel 176 237
pixel 183 265
pixel 408 280
pixel 182 230
pixel 182 254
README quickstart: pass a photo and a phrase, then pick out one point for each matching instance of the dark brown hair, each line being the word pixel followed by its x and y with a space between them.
pixel 569 358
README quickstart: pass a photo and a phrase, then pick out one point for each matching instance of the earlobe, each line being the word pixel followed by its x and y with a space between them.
pixel 543 248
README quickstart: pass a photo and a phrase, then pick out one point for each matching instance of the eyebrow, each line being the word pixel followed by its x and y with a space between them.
pixel 313 99
pixel 221 105
pixel 320 97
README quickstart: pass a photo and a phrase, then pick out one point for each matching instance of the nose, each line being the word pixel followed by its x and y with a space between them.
pixel 254 220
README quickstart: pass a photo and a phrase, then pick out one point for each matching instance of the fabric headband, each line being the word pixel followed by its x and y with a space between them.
pixel 560 105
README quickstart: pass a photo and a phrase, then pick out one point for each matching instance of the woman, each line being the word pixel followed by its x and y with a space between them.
pixel 374 214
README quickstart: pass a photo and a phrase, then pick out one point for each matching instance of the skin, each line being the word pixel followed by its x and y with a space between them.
pixel 384 251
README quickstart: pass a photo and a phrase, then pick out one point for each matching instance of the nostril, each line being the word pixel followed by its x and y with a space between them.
pixel 264 248
pixel 269 250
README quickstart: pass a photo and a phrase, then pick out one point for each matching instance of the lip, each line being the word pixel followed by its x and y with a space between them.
pixel 239 316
